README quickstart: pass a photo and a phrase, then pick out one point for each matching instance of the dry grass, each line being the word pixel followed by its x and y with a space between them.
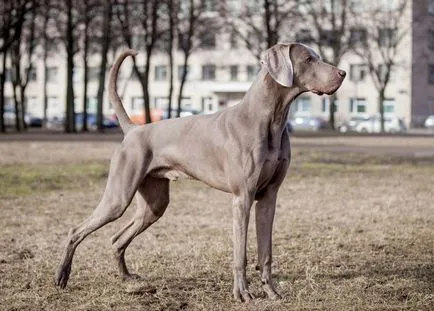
pixel 352 232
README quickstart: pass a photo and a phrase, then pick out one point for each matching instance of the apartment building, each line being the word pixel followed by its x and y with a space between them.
pixel 221 70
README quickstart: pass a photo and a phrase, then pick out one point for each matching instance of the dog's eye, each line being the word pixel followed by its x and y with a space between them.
pixel 308 59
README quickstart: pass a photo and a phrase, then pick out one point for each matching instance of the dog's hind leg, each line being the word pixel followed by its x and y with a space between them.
pixel 126 173
pixel 152 200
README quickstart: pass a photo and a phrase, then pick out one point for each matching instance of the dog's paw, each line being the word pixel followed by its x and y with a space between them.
pixel 131 277
pixel 242 295
pixel 62 276
pixel 271 292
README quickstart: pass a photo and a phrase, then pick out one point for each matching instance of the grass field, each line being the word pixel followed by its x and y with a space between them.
pixel 352 232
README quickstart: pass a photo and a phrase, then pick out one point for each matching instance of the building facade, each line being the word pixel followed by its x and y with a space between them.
pixel 222 69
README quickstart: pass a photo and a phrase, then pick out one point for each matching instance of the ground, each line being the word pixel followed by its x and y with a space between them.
pixel 354 230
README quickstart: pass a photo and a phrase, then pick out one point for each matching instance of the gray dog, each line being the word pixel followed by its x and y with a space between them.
pixel 243 150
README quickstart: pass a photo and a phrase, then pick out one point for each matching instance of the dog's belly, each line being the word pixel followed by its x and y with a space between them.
pixel 171 174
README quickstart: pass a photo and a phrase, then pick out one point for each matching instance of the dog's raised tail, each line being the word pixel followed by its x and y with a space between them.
pixel 124 120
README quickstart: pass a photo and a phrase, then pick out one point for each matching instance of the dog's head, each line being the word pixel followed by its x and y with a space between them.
pixel 296 64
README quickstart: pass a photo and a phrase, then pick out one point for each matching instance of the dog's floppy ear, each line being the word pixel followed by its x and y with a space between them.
pixel 278 64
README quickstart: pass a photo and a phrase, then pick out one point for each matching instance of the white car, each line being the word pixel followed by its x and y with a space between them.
pixel 429 122
pixel 373 125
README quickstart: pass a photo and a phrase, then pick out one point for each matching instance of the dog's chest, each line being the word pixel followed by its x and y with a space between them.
pixel 269 169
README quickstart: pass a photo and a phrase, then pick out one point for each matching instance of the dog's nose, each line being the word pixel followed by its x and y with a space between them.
pixel 342 73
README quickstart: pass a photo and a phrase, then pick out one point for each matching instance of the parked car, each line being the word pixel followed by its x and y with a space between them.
pixel 307 123
pixel 429 122
pixel 351 124
pixel 91 121
pixel 59 121
pixel 184 113
pixel 373 125
pixel 9 116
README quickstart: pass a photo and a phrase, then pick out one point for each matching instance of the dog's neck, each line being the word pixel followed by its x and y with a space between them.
pixel 266 105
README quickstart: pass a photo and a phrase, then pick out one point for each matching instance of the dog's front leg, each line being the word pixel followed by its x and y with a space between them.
pixel 241 213
pixel 264 212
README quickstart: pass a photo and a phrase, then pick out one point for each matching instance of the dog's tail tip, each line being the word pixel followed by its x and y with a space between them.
pixel 132 52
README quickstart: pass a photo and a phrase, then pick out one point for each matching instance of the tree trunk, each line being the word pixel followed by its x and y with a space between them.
pixel 145 86
pixel 103 65
pixel 70 118
pixel 44 59
pixel 85 67
pixel 44 89
pixel 2 94
pixel 181 86
pixel 170 52
pixel 332 105
pixel 381 108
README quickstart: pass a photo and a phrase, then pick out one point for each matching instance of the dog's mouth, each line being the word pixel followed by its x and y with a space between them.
pixel 317 92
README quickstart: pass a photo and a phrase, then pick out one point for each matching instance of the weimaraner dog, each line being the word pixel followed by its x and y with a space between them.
pixel 243 150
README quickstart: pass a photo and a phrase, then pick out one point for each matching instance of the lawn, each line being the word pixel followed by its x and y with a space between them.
pixel 353 231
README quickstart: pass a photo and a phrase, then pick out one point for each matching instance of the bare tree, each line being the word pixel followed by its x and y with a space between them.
pixel 190 17
pixel 46 38
pixel 104 49
pixel 21 53
pixel 387 26
pixel 139 21
pixel 262 24
pixel 12 17
pixel 329 31
pixel 173 10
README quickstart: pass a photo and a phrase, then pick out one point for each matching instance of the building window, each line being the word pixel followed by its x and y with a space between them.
pixel 358 72
pixel 357 6
pixel 357 36
pixel 161 102
pixel 389 105
pixel 53 103
pixel 431 6
pixel 160 73
pixel 76 74
pixel 234 72
pixel 304 6
pixel 301 105
pixel 137 104
pixel 303 35
pixel 8 75
pixel 32 74
pixel 234 40
pixel 208 72
pixel 325 105
pixel 138 41
pixel 431 39
pixel 383 72
pixel 332 6
pixel 328 37
pixel 431 74
pixel 182 41
pixel 207 40
pixel 141 69
pixel 93 73
pixel 357 105
pixel 210 5
pixel 254 6
pixel 252 71
pixel 92 103
pixel 386 37
pixel 207 104
pixel 181 72
pixel 388 5
pixel 52 74
pixel 163 42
